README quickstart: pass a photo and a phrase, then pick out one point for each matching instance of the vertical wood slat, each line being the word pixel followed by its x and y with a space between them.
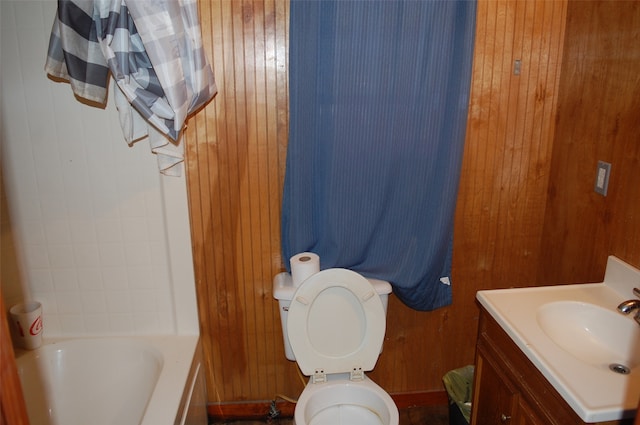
pixel 236 149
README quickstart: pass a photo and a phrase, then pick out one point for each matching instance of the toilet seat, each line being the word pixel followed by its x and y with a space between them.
pixel 336 324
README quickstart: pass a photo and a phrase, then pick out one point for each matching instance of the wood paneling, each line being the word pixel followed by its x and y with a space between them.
pixel 509 140
pixel 598 119
pixel 235 155
pixel 235 160
pixel 12 407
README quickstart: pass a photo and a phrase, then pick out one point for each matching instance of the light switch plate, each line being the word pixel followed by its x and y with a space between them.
pixel 602 178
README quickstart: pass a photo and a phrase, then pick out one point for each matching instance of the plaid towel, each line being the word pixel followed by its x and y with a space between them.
pixel 153 50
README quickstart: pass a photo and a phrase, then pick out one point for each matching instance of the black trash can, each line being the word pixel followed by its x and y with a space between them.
pixel 459 386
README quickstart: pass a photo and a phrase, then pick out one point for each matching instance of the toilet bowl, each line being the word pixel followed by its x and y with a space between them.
pixel 340 401
pixel 335 324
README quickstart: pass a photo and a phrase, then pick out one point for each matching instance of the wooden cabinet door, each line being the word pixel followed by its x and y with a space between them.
pixel 495 401
pixel 525 415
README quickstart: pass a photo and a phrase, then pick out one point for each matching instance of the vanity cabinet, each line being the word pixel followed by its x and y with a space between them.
pixel 509 389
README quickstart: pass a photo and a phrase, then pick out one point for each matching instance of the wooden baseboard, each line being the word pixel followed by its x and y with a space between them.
pixel 260 409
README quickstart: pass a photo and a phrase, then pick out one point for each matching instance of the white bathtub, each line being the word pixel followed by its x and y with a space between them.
pixel 150 380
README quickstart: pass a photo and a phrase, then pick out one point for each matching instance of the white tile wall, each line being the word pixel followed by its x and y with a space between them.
pixel 103 238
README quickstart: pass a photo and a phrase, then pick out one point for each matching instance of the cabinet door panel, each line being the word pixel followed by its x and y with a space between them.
pixel 494 400
pixel 526 416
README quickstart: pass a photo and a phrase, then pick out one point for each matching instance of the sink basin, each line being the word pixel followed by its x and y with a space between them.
pixel 592 334
pixel 574 335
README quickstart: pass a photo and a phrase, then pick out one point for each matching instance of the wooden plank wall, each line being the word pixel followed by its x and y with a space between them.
pixel 236 149
pixel 598 119
pixel 509 141
pixel 235 162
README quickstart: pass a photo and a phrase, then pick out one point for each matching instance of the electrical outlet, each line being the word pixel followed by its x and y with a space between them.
pixel 602 178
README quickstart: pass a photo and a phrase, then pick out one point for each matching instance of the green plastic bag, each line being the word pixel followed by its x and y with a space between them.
pixel 459 386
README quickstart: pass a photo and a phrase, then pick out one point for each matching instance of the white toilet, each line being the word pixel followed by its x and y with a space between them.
pixel 333 326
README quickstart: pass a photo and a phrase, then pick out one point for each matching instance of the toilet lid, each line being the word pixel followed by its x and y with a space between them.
pixel 336 323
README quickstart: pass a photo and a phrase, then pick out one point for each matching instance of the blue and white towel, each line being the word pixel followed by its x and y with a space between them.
pixel 153 50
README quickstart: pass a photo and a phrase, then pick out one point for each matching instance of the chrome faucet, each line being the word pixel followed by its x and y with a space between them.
pixel 628 306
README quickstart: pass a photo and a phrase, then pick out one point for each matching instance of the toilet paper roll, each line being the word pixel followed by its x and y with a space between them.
pixel 303 266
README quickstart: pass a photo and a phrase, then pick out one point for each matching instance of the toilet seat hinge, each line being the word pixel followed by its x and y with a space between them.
pixel 356 374
pixel 319 376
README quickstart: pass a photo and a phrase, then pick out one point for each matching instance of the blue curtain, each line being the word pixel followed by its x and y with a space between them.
pixel 379 91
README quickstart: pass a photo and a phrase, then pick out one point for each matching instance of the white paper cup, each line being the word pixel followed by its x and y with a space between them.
pixel 27 322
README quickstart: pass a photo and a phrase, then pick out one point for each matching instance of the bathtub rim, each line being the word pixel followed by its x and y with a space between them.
pixel 178 354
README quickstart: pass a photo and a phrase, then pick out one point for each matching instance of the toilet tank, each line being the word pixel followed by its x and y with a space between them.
pixel 283 291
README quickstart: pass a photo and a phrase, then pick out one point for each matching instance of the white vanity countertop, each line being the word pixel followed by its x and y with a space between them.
pixel 594 392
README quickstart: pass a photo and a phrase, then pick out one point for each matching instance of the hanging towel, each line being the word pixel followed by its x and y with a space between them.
pixel 153 50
